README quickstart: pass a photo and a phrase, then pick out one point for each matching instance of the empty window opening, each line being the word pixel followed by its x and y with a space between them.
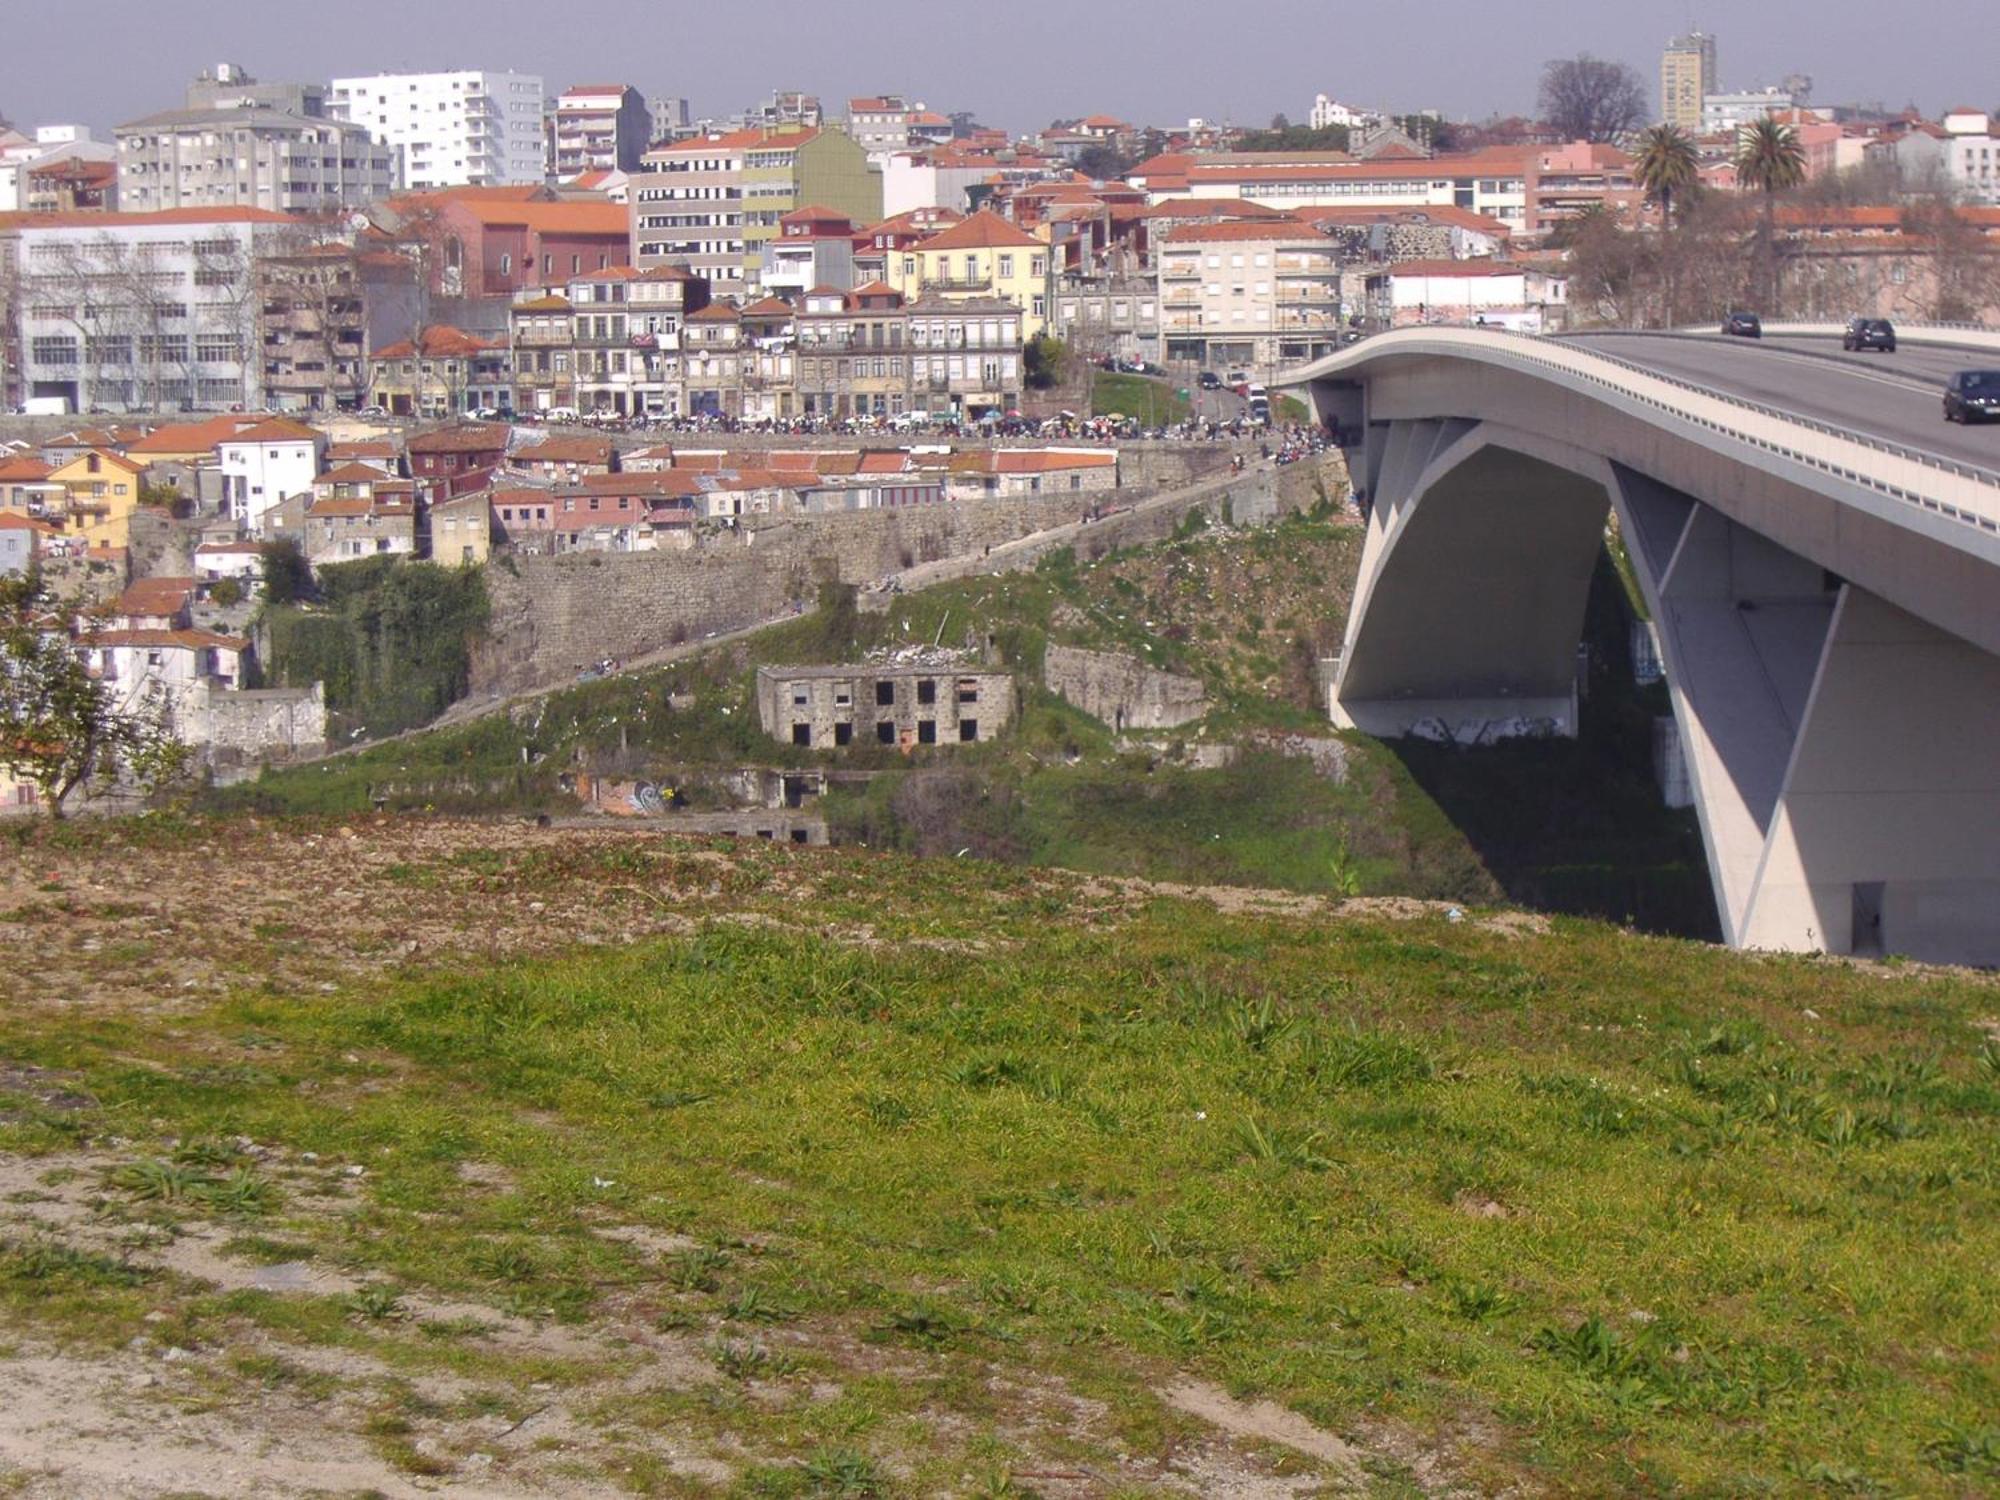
pixel 802 734
pixel 927 731
pixel 926 691
pixel 885 733
pixel 799 836
pixel 885 694
pixel 843 734
pixel 968 730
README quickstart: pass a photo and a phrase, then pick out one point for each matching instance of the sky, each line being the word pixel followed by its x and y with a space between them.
pixel 100 62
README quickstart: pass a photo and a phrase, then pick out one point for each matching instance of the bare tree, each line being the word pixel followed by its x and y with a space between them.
pixel 1586 98
pixel 1965 267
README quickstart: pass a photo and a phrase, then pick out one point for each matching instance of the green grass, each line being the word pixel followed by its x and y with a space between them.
pixel 1648 1217
pixel 1150 402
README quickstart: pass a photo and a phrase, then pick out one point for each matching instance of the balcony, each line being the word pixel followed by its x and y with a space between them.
pixel 1181 299
pixel 959 284
pixel 542 339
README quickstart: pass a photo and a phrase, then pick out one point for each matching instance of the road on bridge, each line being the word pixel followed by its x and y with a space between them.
pixel 1897 398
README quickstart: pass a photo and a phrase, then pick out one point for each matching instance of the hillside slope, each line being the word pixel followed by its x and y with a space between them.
pixel 533 1161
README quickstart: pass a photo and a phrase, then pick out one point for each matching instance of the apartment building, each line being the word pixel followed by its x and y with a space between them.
pixel 323 311
pixel 1972 155
pixel 610 341
pixel 137 311
pixel 981 257
pixel 1257 293
pixel 249 158
pixel 814 248
pixel 1687 78
pixel 879 123
pixel 870 353
pixel 22 157
pixel 598 127
pixel 443 372
pixel 453 129
pixel 712 203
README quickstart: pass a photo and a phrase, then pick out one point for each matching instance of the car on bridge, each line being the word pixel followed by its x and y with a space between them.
pixel 1869 333
pixel 1743 325
pixel 1973 396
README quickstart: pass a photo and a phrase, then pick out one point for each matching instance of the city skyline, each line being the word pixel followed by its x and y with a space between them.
pixel 1008 75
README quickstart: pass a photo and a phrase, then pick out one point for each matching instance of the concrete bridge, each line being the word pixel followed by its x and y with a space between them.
pixel 1820 556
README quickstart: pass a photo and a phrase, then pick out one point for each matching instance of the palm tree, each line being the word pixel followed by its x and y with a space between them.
pixel 1770 159
pixel 1667 167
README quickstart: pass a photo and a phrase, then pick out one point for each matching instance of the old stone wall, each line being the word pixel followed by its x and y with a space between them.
pixel 234 727
pixel 554 615
pixel 1121 690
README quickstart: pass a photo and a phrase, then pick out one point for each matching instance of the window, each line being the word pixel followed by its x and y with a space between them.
pixel 927 731
pixel 802 734
pixel 843 734
pixel 968 730
pixel 927 691
pixel 885 733
pixel 885 694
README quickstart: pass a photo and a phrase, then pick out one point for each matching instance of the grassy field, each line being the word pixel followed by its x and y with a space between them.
pixel 826 1174
pixel 1151 402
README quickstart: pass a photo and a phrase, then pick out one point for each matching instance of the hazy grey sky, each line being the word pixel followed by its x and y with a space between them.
pixel 1016 64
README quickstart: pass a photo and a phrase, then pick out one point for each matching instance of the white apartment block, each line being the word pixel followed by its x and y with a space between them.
pixel 454 129
pixel 249 158
pixel 1972 155
pixel 1722 113
pixel 1328 111
pixel 1249 293
pixel 140 312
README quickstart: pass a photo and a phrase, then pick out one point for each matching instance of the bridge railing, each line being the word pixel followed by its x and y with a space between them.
pixel 1965 493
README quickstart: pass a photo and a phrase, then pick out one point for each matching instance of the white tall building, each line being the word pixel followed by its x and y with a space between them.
pixel 1972 154
pixel 455 129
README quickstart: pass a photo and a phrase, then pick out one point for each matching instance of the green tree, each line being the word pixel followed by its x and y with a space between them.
pixel 1668 168
pixel 1769 160
pixel 287 575
pixel 60 727
pixel 1045 357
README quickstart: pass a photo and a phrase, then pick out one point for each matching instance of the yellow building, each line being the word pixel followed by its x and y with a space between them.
pixel 100 492
pixel 982 257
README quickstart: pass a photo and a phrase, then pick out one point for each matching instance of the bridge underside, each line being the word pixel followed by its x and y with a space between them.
pixel 1844 755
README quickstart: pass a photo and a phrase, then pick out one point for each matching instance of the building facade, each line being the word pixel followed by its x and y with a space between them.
pixel 137 312
pixel 452 129
pixel 598 127
pixel 249 158
pixel 900 707
pixel 1687 78
pixel 1249 293
pixel 713 202
pixel 323 310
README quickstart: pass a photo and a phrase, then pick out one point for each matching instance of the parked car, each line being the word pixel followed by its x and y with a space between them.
pixel 1743 325
pixel 1869 333
pixel 1210 381
pixel 1973 396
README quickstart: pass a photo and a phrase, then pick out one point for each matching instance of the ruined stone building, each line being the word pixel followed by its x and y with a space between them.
pixel 873 704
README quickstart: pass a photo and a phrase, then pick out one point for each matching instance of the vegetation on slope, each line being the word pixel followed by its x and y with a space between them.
pixel 390 638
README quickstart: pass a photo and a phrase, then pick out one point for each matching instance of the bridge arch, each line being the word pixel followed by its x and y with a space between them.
pixel 1842 746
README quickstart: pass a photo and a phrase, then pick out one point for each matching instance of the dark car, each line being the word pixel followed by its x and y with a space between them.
pixel 1210 381
pixel 1869 333
pixel 1973 396
pixel 1743 325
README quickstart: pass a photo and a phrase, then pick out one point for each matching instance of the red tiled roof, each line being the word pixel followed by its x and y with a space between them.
pixel 193 640
pixel 442 343
pixel 567 450
pixel 92 219
pixel 459 440
pixel 155 596
pixel 274 430
pixel 1027 461
pixel 191 437
pixel 23 471
pixel 716 312
pixel 983 231
pixel 352 474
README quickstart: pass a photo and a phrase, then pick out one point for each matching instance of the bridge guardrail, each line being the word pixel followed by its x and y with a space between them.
pixel 1968 493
